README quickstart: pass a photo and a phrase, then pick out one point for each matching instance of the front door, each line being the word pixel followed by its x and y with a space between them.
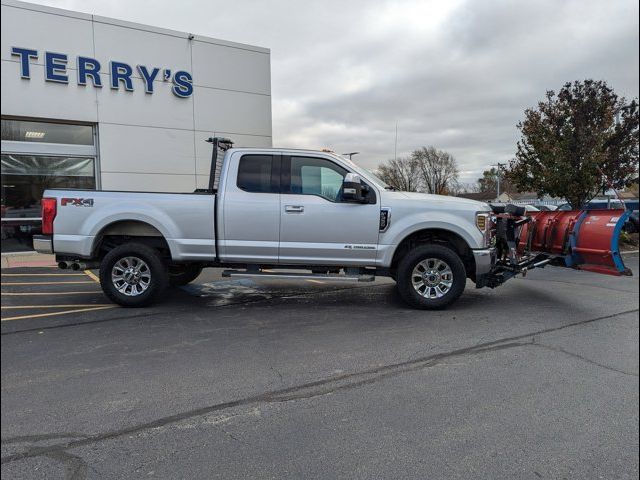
pixel 316 225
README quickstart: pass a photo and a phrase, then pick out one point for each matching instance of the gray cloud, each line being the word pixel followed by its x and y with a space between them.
pixel 453 74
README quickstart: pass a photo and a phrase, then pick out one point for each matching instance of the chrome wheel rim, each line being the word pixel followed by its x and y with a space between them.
pixel 432 278
pixel 131 276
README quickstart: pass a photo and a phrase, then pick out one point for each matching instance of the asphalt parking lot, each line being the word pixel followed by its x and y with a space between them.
pixel 272 379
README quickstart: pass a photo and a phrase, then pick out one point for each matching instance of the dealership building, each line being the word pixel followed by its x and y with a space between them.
pixel 97 103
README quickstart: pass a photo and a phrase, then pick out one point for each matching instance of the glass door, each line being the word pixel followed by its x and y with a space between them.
pixel 38 155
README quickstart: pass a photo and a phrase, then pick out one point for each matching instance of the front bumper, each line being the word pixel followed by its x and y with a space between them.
pixel 485 260
pixel 43 243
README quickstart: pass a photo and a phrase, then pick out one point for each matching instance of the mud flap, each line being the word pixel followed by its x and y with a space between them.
pixel 585 240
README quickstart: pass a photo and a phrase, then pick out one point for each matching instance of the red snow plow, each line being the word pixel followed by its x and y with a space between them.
pixel 584 240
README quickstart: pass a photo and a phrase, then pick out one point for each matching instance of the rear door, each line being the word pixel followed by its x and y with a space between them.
pixel 251 209
pixel 317 226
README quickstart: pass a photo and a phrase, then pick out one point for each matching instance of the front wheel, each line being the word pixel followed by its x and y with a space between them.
pixel 431 277
pixel 133 275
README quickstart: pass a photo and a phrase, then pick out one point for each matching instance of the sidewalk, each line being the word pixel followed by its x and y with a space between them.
pixel 27 259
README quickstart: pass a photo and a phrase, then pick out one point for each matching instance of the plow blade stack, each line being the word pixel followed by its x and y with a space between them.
pixel 586 240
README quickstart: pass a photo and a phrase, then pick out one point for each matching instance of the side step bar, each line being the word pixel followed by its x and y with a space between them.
pixel 300 276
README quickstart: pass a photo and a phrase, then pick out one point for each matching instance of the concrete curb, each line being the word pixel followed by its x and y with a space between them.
pixel 27 259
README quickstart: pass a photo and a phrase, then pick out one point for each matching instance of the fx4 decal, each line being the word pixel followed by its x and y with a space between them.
pixel 76 202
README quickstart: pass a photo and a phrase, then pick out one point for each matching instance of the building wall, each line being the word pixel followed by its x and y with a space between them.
pixel 146 141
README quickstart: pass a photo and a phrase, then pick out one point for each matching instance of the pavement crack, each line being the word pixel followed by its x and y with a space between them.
pixel 583 358
pixel 382 373
pixel 42 437
pixel 232 436
pixel 75 467
pixel 277 372
pixel 308 390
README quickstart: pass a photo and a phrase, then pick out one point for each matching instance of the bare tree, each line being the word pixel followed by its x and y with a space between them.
pixel 470 187
pixel 438 170
pixel 402 174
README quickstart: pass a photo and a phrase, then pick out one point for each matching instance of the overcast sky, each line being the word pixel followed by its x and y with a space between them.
pixel 453 74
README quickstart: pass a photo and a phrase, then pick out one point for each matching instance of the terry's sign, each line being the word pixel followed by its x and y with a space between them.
pixel 89 69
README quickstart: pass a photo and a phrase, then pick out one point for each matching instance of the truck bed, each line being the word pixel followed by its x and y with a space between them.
pixel 185 220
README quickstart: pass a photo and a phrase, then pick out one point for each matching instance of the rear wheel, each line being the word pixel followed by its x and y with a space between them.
pixel 133 275
pixel 431 277
pixel 183 274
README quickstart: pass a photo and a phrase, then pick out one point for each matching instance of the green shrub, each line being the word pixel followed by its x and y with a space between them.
pixel 625 237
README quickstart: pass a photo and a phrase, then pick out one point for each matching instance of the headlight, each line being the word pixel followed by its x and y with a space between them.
pixel 482 221
pixel 485 225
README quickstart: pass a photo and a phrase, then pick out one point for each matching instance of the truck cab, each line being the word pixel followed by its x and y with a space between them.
pixel 297 207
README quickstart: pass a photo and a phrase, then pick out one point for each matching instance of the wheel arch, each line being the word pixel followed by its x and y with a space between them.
pixel 436 236
pixel 122 231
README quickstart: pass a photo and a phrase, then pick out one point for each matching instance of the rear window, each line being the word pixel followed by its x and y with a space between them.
pixel 254 173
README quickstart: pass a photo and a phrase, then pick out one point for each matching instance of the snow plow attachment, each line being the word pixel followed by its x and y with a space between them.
pixel 586 240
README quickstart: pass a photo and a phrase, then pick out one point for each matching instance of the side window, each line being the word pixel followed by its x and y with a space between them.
pixel 254 173
pixel 317 176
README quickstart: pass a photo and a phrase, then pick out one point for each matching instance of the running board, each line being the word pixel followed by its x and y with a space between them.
pixel 300 276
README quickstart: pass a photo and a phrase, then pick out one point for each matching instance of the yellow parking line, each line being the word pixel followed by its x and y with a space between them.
pixel 92 276
pixel 42 274
pixel 27 307
pixel 44 283
pixel 40 315
pixel 20 294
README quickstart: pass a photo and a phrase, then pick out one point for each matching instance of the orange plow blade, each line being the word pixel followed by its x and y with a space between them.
pixel 586 240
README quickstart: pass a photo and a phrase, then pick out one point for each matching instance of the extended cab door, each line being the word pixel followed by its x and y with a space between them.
pixel 317 226
pixel 251 209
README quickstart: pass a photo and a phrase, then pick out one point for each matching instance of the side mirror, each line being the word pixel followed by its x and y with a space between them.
pixel 352 188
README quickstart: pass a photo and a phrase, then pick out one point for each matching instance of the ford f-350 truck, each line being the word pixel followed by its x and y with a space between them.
pixel 269 211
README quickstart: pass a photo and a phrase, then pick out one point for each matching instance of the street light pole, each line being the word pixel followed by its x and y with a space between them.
pixel 395 144
pixel 350 154
pixel 499 165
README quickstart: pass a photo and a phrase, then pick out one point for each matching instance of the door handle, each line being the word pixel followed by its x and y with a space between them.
pixel 293 208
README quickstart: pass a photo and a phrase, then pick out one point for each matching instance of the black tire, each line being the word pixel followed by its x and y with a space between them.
pixel 422 253
pixel 183 274
pixel 630 226
pixel 155 267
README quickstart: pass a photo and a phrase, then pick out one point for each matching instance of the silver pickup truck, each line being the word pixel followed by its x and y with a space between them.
pixel 283 213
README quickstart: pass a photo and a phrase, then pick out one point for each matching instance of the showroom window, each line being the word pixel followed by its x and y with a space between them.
pixel 38 155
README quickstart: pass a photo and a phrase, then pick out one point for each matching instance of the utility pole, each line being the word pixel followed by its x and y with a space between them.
pixel 395 145
pixel 498 165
